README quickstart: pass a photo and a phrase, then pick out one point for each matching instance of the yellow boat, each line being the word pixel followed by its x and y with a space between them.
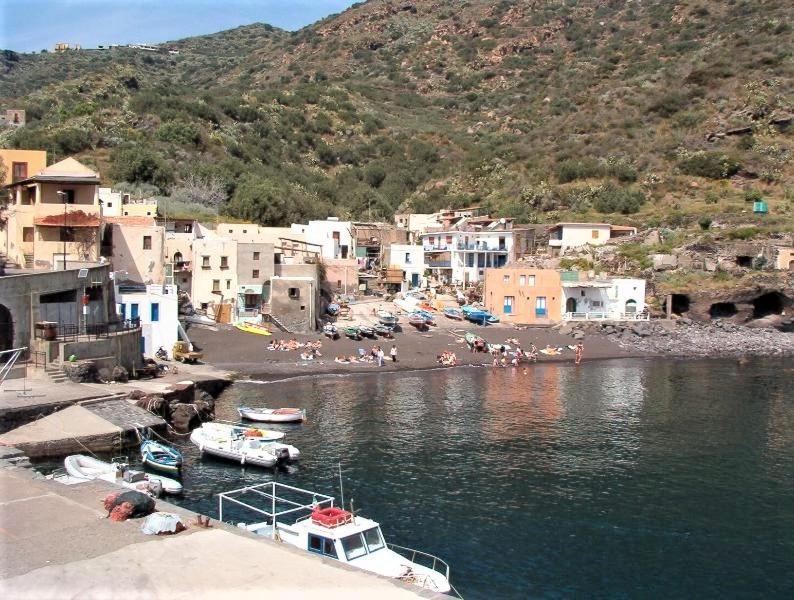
pixel 253 328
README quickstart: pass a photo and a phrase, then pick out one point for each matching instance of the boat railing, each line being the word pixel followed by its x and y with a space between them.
pixel 433 562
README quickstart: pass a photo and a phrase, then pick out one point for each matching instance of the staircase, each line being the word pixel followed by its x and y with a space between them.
pixel 29 261
pixel 279 325
pixel 55 373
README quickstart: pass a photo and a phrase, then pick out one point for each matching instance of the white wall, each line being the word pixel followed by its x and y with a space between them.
pixel 624 290
pixel 321 234
pixel 612 298
pixel 111 202
pixel 415 265
pixel 581 235
pixel 164 331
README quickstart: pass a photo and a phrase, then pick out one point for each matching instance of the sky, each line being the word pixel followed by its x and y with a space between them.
pixel 31 25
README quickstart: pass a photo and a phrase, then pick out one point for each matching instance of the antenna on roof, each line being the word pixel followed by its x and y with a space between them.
pixel 341 487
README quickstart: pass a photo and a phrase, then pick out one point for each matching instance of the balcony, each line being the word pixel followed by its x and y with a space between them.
pixel 437 248
pixel 481 248
pixel 183 266
pixel 439 264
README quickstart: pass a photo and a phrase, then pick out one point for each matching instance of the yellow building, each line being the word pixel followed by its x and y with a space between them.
pixel 53 215
pixel 518 294
pixel 21 163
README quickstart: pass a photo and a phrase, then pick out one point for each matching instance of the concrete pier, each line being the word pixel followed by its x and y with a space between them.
pixel 56 543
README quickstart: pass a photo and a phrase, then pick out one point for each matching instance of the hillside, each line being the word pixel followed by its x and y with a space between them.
pixel 655 113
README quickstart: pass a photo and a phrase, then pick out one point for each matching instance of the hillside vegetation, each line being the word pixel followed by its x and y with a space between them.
pixel 655 113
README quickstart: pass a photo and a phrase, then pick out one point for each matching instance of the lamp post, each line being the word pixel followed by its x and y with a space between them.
pixel 63 196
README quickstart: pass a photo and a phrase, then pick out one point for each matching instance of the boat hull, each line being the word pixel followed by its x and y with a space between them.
pixel 250 328
pixel 271 416
pixel 87 468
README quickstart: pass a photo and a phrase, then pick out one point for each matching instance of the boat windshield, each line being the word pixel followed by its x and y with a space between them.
pixel 374 539
pixel 353 546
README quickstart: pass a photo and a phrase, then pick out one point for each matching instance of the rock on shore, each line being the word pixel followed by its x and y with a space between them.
pixel 688 338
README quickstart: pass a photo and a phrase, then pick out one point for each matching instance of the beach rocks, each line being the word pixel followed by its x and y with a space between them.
pixel 81 372
pixel 120 374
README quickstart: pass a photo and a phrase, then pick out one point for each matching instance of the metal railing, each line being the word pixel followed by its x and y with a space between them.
pixel 606 316
pixel 434 563
pixel 70 332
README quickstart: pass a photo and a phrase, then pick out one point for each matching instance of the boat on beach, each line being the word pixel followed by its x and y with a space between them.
pixel 418 321
pixel 272 415
pixel 253 328
pixel 453 313
pixel 387 318
pixel 80 467
pixel 330 331
pixel 316 526
pixel 352 332
pixel 333 309
pixel 384 331
pixel 160 456
pixel 366 331
pixel 248 446
pixel 475 342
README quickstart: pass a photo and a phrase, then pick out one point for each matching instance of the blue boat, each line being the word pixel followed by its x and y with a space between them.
pixel 333 309
pixel 453 313
pixel 429 318
pixel 161 456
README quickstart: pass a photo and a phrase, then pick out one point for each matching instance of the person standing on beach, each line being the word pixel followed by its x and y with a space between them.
pixel 578 352
pixel 380 356
pixel 393 353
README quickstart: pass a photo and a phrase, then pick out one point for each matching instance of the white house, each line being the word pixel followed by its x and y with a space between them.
pixel 614 299
pixel 461 257
pixel 157 308
pixel 574 235
pixel 410 259
pixel 335 237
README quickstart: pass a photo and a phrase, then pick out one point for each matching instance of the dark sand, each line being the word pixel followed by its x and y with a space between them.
pixel 246 353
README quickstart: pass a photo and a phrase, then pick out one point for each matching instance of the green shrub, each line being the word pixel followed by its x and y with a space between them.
pixel 753 195
pixel 712 165
pixel 613 199
pixel 573 169
pixel 179 133
pixel 743 233
pixel 705 223
pixel 637 253
pixel 138 164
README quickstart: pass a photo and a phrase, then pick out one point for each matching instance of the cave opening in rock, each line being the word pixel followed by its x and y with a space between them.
pixel 679 303
pixel 722 310
pixel 745 261
pixel 768 304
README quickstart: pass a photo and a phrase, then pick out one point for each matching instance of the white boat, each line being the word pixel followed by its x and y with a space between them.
pixel 387 318
pixel 85 468
pixel 272 415
pixel 246 445
pixel 329 531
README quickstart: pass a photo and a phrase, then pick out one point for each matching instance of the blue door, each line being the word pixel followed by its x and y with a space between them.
pixel 123 311
pixel 133 311
pixel 415 280
pixel 155 312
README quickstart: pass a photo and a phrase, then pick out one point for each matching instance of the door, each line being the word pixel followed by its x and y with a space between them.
pixel 508 305
pixel 570 305
pixel 415 280
pixel 134 311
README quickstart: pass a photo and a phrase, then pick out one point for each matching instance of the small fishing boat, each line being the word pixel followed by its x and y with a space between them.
pixel 256 328
pixel 248 446
pixel 161 456
pixel 480 317
pixel 387 318
pixel 418 321
pixel 330 331
pixel 366 331
pixel 311 522
pixel 272 415
pixel 475 342
pixel 352 332
pixel 86 468
pixel 384 331
pixel 333 309
pixel 453 313
pixel 427 307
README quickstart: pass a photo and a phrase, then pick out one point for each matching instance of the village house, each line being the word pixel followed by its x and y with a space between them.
pixel 575 235
pixel 335 238
pixel 118 204
pixel 136 248
pixel 409 261
pixel 54 215
pixel 588 298
pixel 155 307
pixel 523 295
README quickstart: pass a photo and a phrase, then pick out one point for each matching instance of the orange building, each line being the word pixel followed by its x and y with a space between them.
pixel 518 294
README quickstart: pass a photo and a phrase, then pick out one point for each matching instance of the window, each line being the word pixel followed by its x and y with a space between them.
pixel 188 228
pixel 256 255
pixel 216 285
pixel 66 234
pixel 19 170
pixel 374 539
pixel 531 280
pixel 204 306
pixel 540 306
pixel 522 280
pixel 205 262
pixel 597 303
pixel 147 242
pixel 155 312
pixel 354 547
pixel 31 195
pixel 321 545
pixel 67 197
pixel 255 274
pixel 245 231
pixel 294 293
pixel 506 279
pixel 508 304
pixel 228 284
pixel 449 239
pixel 407 258
pixel 594 233
pixel 110 205
pixel 27 234
pixel 224 262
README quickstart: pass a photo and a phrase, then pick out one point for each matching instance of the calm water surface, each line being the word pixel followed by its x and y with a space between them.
pixel 617 479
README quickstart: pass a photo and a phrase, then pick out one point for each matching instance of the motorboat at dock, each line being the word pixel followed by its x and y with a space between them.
pixel 246 445
pixel 310 521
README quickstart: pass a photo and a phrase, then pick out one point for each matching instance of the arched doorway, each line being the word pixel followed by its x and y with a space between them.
pixel 631 307
pixel 570 305
pixel 6 330
pixel 177 257
pixel 791 266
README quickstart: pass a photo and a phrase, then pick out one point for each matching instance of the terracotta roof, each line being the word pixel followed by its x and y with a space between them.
pixel 75 218
pixel 133 221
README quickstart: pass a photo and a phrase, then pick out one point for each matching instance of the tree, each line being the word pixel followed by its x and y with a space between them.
pixel 273 203
pixel 207 191
pixel 137 164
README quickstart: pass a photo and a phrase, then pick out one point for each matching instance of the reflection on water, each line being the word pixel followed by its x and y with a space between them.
pixel 613 479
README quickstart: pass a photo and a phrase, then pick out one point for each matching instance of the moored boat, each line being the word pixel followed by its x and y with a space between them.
pixel 256 328
pixel 315 525
pixel 272 415
pixel 86 468
pixel 453 313
pixel 248 446
pixel 160 456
